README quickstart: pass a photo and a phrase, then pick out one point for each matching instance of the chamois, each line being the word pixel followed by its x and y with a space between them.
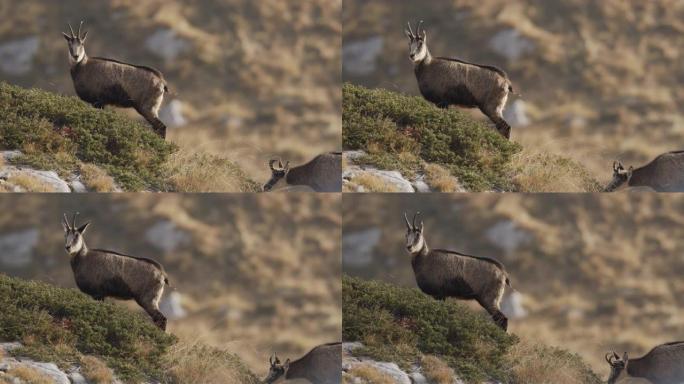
pixel 446 81
pixel 100 82
pixel 100 273
pixel 664 364
pixel 441 273
pixel 322 365
pixel 664 174
pixel 322 174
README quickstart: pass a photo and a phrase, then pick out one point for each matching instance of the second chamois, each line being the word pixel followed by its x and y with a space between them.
pixel 441 273
pixel 444 81
pixel 100 273
pixel 100 82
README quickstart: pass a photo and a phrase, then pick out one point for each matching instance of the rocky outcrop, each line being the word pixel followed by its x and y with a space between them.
pixel 358 370
pixel 20 178
pixel 359 177
pixel 15 369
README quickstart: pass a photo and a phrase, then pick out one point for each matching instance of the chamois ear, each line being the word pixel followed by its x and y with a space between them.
pixel 66 37
pixel 83 228
pixel 85 36
pixel 286 365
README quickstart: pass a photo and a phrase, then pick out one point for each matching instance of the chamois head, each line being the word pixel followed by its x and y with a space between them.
pixel 617 365
pixel 417 43
pixel 620 176
pixel 414 234
pixel 76 44
pixel 73 236
pixel 277 369
pixel 277 174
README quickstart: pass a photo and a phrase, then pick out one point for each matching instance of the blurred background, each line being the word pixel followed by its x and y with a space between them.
pixel 600 80
pixel 593 272
pixel 249 80
pixel 250 274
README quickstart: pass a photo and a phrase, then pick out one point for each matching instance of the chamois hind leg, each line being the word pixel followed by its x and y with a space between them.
pixel 492 304
pixel 498 120
pixel 151 117
pixel 150 303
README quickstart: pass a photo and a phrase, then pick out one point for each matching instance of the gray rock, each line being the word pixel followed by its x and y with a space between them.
pixel 393 179
pixel 506 235
pixel 511 44
pixel 17 248
pixel 9 347
pixel 512 306
pixel 172 306
pixel 49 178
pixel 77 185
pixel 348 348
pixel 357 247
pixel 516 114
pixel 76 378
pixel 10 155
pixel 420 186
pixel 353 156
pixel 172 114
pixel 166 44
pixel 16 57
pixel 360 57
pixel 166 236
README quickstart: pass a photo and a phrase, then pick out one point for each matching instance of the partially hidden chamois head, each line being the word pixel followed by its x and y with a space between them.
pixel 277 369
pixel 617 365
pixel 76 44
pixel 73 236
pixel 620 176
pixel 414 234
pixel 417 43
pixel 277 174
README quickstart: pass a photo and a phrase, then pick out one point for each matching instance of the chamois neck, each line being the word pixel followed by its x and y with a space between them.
pixel 83 251
pixel 83 61
pixel 427 59
pixel 294 176
pixel 424 251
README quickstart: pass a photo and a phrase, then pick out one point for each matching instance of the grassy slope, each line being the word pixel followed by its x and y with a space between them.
pixel 59 133
pixel 399 131
pixel 62 325
pixel 401 324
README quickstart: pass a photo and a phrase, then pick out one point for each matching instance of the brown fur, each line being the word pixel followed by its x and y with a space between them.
pixel 322 174
pixel 664 364
pixel 665 173
pixel 321 365
pixel 442 274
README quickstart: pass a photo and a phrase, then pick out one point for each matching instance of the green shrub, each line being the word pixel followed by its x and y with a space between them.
pixel 59 325
pixel 56 132
pixel 389 126
pixel 399 324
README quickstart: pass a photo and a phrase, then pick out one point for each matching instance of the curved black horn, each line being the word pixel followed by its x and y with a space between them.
pixel 608 358
pixel 66 221
pixel 409 28
pixel 408 225
pixel 73 220
pixel 270 164
pixel 79 29
pixel 420 23
pixel 414 219
pixel 72 30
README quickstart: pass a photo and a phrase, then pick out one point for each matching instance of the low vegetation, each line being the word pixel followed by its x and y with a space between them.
pixel 411 135
pixel 404 326
pixel 106 148
pixel 66 327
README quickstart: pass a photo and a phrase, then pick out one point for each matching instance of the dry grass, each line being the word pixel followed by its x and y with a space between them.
pixel 440 179
pixel 194 363
pixel 372 183
pixel 189 171
pixel 29 375
pixel 29 184
pixel 537 171
pixel 436 370
pixel 96 371
pixel 370 375
pixel 533 363
pixel 96 179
